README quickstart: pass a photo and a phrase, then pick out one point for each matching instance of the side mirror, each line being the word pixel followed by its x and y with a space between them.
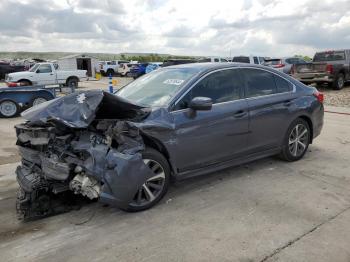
pixel 201 103
pixel 37 71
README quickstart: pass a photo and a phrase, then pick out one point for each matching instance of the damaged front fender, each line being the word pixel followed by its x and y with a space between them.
pixel 88 143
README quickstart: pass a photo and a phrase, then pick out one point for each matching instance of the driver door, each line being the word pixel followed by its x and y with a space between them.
pixel 216 135
pixel 45 75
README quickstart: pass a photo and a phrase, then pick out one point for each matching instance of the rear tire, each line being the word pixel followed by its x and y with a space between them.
pixel 339 82
pixel 156 186
pixel 8 108
pixel 296 141
pixel 72 82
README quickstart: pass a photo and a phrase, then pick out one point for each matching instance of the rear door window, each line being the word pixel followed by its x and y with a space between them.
pixel 221 86
pixel 258 82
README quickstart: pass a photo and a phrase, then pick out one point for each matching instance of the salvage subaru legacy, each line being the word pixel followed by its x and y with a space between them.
pixel 178 121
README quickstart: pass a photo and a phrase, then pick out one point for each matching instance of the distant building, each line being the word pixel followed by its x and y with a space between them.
pixel 79 61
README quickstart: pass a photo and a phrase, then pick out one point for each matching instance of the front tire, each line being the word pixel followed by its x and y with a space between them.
pixel 154 189
pixel 25 83
pixel 296 141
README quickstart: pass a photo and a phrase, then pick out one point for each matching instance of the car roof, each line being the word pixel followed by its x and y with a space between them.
pixel 214 66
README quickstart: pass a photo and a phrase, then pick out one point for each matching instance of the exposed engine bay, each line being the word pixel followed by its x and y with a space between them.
pixel 86 144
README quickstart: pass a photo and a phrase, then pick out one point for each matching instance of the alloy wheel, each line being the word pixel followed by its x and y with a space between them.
pixel 153 187
pixel 8 108
pixel 298 140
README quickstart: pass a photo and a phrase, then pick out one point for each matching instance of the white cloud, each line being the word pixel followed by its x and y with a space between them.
pixel 190 27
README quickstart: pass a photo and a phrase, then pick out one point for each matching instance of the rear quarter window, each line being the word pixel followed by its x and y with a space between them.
pixel 282 84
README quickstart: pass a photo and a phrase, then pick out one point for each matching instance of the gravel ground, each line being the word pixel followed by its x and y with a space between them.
pixel 339 98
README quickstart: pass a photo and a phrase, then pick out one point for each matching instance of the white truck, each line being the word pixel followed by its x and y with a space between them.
pixel 46 74
pixel 111 67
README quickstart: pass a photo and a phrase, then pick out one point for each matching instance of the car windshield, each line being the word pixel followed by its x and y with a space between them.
pixel 329 56
pixel 34 68
pixel 158 87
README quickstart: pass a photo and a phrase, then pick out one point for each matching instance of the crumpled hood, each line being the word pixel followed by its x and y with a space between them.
pixel 79 109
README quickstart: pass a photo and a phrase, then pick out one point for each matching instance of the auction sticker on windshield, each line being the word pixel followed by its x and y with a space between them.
pixel 176 82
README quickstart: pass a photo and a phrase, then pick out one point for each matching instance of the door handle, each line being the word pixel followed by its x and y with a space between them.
pixel 239 114
pixel 287 103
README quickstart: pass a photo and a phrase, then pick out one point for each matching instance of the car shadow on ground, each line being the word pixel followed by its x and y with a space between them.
pixel 93 213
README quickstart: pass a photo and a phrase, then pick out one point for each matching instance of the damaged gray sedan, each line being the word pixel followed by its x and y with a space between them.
pixel 176 122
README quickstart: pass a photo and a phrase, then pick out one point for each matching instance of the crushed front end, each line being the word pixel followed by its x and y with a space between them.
pixel 94 155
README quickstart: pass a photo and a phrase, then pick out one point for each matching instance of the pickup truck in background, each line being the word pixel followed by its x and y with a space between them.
pixel 111 67
pixel 332 67
pixel 46 74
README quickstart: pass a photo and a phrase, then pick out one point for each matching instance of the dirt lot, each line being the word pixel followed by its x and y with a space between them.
pixel 268 210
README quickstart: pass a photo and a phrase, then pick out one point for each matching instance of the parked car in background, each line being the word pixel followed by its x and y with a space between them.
pixel 284 64
pixel 8 67
pixel 46 74
pixel 183 121
pixel 331 67
pixel 171 62
pixel 153 66
pixel 13 100
pixel 137 70
pixel 212 60
pixel 258 60
pixel 111 67
pixel 124 69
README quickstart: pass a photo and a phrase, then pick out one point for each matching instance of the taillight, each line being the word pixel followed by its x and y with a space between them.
pixel 329 69
pixel 279 65
pixel 319 96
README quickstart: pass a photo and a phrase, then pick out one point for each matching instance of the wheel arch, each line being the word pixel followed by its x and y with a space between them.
pixel 72 77
pixel 159 146
pixel 342 71
pixel 24 79
pixel 309 122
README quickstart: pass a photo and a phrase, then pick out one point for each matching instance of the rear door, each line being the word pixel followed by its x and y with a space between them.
pixel 216 135
pixel 270 99
pixel 45 75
